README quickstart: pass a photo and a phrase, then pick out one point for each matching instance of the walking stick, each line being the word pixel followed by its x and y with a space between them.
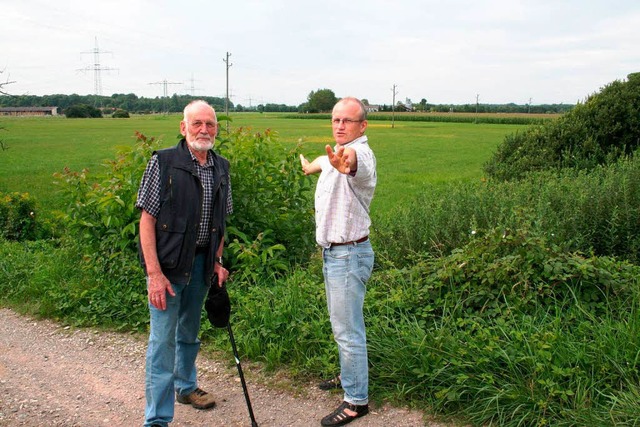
pixel 244 384
pixel 218 309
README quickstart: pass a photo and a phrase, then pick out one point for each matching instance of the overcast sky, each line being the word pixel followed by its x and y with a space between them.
pixel 546 51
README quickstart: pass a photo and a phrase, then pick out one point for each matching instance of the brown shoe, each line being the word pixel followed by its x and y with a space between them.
pixel 198 398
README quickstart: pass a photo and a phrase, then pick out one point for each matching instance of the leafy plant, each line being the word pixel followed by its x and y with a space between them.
pixel 101 214
pixel 270 197
pixel 259 258
pixel 82 111
pixel 18 218
pixel 599 131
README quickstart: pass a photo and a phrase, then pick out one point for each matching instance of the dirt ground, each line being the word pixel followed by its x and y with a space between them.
pixel 52 375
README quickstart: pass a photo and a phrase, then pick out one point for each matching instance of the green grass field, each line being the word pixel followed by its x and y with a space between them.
pixel 410 156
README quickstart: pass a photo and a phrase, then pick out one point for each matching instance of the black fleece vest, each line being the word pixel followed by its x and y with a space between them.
pixel 179 216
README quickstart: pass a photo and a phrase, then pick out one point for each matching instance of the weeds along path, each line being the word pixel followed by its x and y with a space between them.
pixel 51 375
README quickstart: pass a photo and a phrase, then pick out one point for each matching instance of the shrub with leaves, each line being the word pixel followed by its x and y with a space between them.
pixel 589 211
pixel 120 114
pixel 271 202
pixel 101 215
pixel 18 217
pixel 82 111
pixel 271 226
pixel 599 131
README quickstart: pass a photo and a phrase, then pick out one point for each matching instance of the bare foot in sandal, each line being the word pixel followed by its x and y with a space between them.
pixel 345 413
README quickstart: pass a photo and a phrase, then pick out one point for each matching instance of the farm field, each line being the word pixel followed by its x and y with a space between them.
pixel 410 155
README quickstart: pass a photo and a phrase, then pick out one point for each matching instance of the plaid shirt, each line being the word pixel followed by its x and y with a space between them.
pixel 342 201
pixel 149 193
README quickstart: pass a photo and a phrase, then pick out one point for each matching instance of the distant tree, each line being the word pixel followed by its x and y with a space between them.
pixel 365 101
pixel 321 101
pixel 120 114
pixel 80 111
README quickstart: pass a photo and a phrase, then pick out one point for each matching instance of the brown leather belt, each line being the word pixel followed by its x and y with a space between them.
pixel 353 242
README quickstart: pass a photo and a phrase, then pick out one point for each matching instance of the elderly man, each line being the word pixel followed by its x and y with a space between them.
pixel 185 197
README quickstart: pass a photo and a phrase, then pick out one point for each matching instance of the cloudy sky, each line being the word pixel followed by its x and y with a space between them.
pixel 501 51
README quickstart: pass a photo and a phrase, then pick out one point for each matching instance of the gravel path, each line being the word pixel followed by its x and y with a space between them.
pixel 51 375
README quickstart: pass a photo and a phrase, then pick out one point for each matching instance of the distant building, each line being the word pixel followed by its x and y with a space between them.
pixel 372 108
pixel 28 111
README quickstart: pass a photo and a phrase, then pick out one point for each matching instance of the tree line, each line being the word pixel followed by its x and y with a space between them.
pixel 318 101
pixel 131 102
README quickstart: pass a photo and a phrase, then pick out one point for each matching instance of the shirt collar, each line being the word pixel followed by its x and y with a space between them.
pixel 358 140
pixel 208 163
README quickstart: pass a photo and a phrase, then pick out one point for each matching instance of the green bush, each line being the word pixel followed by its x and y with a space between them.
pixel 18 217
pixel 82 111
pixel 101 214
pixel 272 224
pixel 599 131
pixel 589 212
pixel 120 114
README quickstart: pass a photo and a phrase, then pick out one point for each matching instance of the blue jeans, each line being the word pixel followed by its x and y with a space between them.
pixel 173 347
pixel 346 270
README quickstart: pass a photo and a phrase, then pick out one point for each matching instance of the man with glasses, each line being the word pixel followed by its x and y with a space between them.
pixel 343 195
pixel 185 197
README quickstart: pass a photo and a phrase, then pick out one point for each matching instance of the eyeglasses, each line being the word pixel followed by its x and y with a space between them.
pixel 198 124
pixel 345 121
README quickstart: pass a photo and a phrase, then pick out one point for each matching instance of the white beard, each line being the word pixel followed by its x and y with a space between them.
pixel 198 145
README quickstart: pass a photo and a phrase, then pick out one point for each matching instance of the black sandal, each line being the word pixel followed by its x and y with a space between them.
pixel 331 384
pixel 339 417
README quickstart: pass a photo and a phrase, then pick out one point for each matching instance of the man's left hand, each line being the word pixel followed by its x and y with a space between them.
pixel 222 273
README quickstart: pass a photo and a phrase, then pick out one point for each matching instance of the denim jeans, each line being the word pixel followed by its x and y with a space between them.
pixel 173 347
pixel 346 270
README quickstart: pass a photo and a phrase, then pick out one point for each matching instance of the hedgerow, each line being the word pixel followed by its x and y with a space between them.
pixel 599 131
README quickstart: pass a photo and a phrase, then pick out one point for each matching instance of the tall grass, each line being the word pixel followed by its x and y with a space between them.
pixel 592 212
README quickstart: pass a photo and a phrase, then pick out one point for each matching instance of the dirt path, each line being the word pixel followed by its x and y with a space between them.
pixel 52 375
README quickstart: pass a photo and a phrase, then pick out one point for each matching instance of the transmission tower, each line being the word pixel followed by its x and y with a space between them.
pixel 97 68
pixel 192 87
pixel 165 84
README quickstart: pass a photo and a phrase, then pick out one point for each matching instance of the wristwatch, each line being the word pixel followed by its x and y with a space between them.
pixel 219 260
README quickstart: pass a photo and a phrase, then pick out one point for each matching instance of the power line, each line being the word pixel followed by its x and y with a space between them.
pixel 192 88
pixel 165 84
pixel 97 68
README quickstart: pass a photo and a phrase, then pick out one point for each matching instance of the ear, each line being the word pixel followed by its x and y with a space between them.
pixel 183 128
pixel 363 126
